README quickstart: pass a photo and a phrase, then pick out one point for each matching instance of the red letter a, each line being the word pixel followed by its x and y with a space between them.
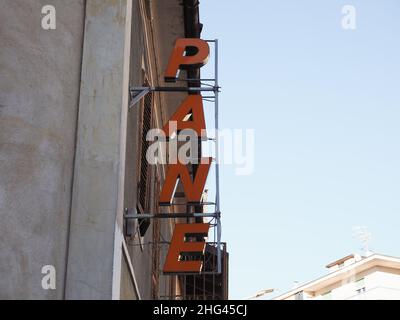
pixel 193 104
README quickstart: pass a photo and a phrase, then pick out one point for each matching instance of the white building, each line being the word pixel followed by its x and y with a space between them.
pixel 375 277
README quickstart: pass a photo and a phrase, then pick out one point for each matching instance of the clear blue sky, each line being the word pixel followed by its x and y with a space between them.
pixel 325 104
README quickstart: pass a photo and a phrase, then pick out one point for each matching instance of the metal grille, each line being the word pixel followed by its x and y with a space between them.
pixel 207 285
pixel 155 274
pixel 143 193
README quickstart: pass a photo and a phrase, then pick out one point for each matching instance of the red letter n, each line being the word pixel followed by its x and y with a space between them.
pixel 193 189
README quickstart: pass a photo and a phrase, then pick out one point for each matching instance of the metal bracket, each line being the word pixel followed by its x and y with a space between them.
pixel 131 214
pixel 138 93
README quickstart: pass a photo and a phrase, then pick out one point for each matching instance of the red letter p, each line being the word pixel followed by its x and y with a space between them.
pixel 179 60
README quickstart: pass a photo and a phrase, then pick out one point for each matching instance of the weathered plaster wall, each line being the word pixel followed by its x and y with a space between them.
pixel 39 94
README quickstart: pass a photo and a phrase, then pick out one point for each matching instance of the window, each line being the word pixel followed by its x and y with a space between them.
pixel 147 7
pixel 327 295
pixel 144 176
pixel 360 286
pixel 361 290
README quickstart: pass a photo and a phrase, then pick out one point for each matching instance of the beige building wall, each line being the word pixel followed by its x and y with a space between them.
pixel 376 277
pixel 69 145
pixel 39 98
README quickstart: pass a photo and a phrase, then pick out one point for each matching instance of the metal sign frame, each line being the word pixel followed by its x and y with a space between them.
pixel 210 85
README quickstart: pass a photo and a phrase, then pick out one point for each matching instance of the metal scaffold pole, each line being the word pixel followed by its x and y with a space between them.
pixel 217 197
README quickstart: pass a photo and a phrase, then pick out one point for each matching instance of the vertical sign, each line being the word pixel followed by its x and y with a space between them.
pixel 193 189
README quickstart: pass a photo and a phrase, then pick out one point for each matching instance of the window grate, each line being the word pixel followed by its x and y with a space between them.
pixel 143 192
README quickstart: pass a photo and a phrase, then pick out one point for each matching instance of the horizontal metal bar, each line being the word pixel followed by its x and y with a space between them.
pixel 191 273
pixel 193 79
pixel 191 204
pixel 175 89
pixel 168 139
pixel 171 215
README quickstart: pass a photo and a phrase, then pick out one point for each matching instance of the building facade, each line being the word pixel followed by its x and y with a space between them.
pixel 73 150
pixel 354 277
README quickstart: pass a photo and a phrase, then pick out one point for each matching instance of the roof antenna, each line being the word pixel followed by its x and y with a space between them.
pixel 364 236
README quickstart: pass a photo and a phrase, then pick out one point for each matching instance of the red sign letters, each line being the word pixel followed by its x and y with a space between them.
pixel 193 104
